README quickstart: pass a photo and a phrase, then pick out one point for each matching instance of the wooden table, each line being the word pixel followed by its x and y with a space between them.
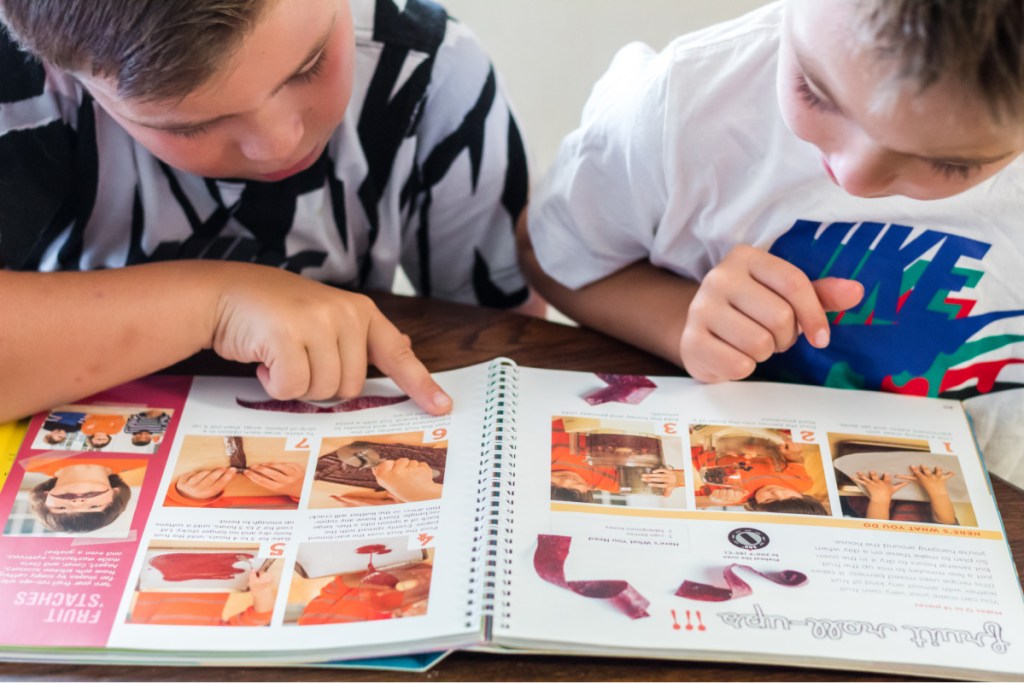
pixel 447 336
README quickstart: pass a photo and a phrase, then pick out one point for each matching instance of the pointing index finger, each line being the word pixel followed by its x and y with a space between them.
pixel 392 353
pixel 795 287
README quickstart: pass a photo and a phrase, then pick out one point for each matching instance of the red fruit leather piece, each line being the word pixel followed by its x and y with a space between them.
pixel 549 562
pixel 193 566
pixel 737 587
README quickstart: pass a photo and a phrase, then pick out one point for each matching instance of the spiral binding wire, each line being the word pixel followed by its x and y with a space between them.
pixel 496 489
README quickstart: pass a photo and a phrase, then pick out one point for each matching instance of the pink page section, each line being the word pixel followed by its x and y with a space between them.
pixel 63 591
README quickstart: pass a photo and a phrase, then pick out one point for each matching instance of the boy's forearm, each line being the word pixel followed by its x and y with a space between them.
pixel 67 335
pixel 942 508
pixel 641 304
pixel 878 507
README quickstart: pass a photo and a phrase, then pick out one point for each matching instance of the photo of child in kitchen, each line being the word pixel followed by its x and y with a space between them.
pixel 615 462
pixel 900 480
pixel 185 583
pixel 107 428
pixel 381 469
pixel 757 470
pixel 341 582
pixel 251 472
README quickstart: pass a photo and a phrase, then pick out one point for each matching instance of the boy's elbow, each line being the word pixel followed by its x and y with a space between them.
pixel 540 283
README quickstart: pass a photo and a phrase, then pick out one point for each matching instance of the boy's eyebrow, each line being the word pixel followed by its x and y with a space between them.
pixel 310 56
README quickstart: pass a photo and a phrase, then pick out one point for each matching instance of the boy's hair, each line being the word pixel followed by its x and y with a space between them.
pixel 79 522
pixel 978 42
pixel 804 505
pixel 97 446
pixel 52 439
pixel 152 49
pixel 571 495
pixel 142 439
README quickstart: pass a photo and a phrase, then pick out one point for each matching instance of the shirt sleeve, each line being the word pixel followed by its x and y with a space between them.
pixel 598 207
pixel 39 144
pixel 470 183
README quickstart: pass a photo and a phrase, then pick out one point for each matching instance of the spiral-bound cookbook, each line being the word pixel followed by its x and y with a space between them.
pixel 195 520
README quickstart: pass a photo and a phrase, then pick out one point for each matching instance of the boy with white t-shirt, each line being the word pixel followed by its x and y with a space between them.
pixel 853 157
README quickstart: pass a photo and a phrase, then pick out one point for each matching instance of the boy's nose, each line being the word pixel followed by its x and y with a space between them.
pixel 275 137
pixel 864 170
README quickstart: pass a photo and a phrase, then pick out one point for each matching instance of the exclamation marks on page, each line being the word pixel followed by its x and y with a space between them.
pixel 690 617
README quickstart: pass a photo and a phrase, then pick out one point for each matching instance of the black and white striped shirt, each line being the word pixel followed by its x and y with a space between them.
pixel 427 171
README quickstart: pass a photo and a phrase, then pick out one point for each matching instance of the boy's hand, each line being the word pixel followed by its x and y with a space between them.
pixel 261 586
pixel 261 582
pixel 879 487
pixel 407 480
pixel 752 306
pixel 933 481
pixel 664 479
pixel 369 498
pixel 205 484
pixel 284 478
pixel 727 496
pixel 313 341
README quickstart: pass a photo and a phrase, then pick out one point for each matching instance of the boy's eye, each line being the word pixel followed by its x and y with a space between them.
pixel 313 71
pixel 190 132
pixel 949 171
pixel 810 98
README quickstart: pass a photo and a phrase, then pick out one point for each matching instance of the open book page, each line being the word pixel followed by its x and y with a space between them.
pixel 251 529
pixel 753 522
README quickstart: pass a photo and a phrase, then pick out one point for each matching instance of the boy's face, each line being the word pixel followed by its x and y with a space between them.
pixel 773 494
pixel 926 145
pixel 100 439
pixel 81 496
pixel 142 438
pixel 268 112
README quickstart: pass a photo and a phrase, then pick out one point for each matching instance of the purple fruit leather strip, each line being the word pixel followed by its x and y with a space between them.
pixel 632 603
pixel 296 406
pixel 549 562
pixel 549 558
pixel 737 587
pixel 703 592
pixel 622 394
pixel 627 380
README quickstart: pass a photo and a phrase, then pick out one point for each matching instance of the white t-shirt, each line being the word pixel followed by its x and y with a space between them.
pixel 682 155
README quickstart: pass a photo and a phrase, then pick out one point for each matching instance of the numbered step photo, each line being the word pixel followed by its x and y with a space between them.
pixel 205 584
pixel 383 469
pixel 340 582
pixel 899 480
pixel 757 470
pixel 616 462
pixel 245 472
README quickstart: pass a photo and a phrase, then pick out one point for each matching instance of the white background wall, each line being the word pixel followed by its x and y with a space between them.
pixel 550 52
